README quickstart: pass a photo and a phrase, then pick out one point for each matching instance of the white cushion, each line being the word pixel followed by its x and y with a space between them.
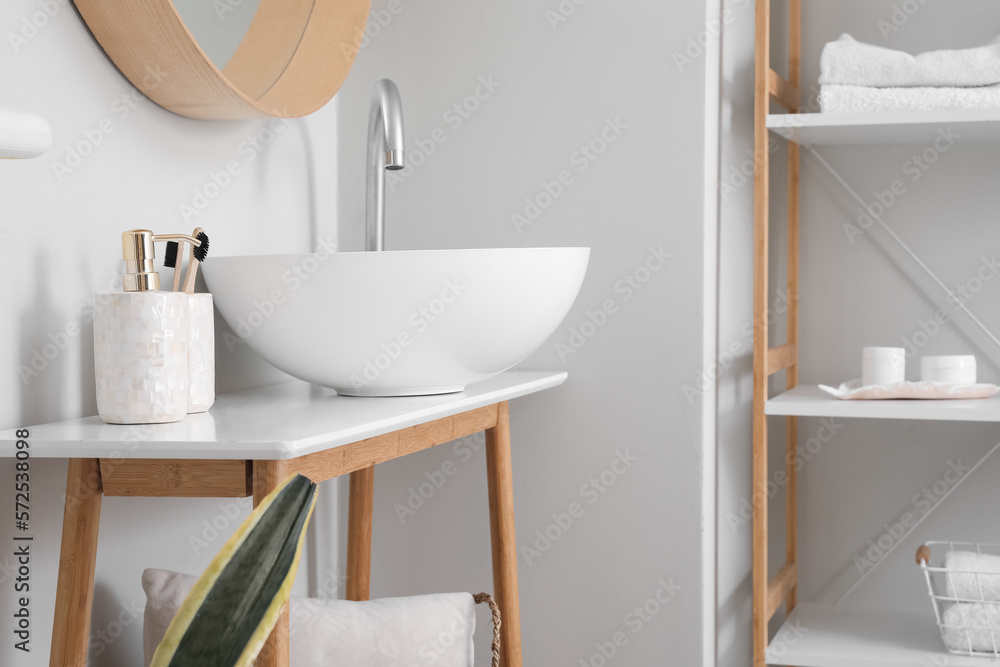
pixel 433 630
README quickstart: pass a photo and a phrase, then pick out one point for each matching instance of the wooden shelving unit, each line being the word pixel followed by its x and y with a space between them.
pixel 839 635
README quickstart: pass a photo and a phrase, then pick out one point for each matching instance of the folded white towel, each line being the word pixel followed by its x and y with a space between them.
pixel 970 586
pixel 971 627
pixel 859 99
pixel 422 630
pixel 853 63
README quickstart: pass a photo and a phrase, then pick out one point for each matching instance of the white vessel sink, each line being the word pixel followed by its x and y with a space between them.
pixel 397 323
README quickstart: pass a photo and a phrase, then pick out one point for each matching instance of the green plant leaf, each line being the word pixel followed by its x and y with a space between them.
pixel 226 618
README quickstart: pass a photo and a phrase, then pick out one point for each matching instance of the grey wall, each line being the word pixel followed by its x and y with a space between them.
pixel 557 86
pixel 60 243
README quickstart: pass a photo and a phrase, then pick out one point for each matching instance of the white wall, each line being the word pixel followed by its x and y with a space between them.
pixel 731 376
pixel 558 86
pixel 61 243
pixel 852 295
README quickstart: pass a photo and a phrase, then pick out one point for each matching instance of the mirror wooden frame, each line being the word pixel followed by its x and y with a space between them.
pixel 279 69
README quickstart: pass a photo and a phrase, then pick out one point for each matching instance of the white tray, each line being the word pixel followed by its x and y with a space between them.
pixel 853 390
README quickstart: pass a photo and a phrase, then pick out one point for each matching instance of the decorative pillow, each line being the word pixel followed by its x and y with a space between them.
pixel 433 630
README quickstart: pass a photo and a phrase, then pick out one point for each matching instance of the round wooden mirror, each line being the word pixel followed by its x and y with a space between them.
pixel 287 58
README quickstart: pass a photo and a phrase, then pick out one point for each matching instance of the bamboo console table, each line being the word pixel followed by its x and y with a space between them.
pixel 247 445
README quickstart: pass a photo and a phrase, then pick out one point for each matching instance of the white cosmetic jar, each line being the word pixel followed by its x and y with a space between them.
pixel 958 368
pixel 883 365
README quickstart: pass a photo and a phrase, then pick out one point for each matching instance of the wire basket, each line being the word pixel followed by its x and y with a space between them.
pixel 486 598
pixel 964 584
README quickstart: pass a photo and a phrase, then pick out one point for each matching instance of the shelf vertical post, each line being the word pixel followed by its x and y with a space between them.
pixel 762 99
pixel 768 595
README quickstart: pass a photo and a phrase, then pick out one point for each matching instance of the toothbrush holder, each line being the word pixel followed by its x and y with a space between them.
pixel 201 352
pixel 141 357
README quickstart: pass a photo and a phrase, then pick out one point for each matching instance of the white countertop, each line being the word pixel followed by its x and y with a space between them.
pixel 271 423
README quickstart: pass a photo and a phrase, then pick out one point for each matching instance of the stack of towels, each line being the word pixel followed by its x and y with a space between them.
pixel 971 624
pixel 857 77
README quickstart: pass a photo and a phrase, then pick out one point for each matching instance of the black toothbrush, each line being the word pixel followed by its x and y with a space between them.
pixel 170 261
pixel 198 253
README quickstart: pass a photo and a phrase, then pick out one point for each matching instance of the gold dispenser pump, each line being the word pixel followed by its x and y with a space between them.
pixel 139 253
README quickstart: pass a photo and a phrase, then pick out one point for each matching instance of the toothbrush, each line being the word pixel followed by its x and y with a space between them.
pixel 197 253
pixel 170 261
pixel 199 250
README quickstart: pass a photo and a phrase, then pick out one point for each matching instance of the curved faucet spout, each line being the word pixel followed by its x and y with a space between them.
pixel 385 151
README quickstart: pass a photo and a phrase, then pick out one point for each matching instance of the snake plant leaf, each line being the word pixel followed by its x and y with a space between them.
pixel 227 617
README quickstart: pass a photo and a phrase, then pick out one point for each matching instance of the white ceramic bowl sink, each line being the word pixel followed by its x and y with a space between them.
pixel 397 323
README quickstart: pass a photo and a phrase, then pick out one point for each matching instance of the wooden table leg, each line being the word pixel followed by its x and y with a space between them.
pixel 359 534
pixel 267 475
pixel 501 489
pixel 77 561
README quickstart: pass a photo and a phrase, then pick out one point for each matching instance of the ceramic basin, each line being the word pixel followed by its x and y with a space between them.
pixel 397 323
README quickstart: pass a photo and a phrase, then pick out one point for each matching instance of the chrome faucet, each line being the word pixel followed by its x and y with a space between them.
pixel 385 151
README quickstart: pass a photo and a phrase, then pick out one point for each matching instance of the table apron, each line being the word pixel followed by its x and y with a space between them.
pixel 221 478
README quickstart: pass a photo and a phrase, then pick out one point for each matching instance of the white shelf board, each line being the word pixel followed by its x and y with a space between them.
pixel 818 635
pixel 889 127
pixel 811 401
pixel 271 423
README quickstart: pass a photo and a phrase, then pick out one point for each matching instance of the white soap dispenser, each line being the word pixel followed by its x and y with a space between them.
pixel 141 342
